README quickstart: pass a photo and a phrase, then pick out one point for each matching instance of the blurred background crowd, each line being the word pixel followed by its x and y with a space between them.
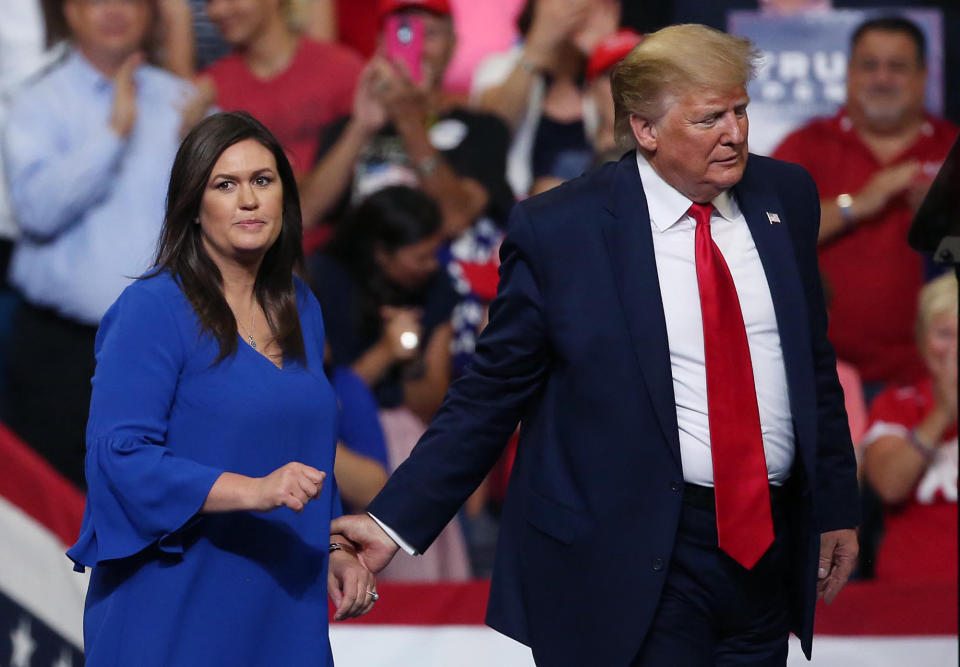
pixel 408 167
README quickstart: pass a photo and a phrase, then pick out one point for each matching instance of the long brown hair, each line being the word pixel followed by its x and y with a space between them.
pixel 181 250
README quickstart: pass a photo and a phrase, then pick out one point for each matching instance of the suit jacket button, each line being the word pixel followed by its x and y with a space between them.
pixel 675 486
pixel 657 564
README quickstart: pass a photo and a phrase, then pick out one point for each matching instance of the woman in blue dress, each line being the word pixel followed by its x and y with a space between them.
pixel 211 433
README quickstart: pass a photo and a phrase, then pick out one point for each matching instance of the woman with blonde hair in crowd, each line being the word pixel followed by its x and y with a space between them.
pixel 910 451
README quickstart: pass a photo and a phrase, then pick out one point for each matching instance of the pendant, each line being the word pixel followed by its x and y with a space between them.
pixel 252 342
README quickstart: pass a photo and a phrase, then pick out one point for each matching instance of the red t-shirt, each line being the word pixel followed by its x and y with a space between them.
pixel 358 24
pixel 919 537
pixel 874 274
pixel 297 103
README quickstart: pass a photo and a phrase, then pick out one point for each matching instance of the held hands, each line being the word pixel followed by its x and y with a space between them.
pixel 293 486
pixel 351 586
pixel 124 111
pixel 375 548
pixel 838 555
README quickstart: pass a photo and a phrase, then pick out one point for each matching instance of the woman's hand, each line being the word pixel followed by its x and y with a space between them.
pixel 293 486
pixel 351 586
pixel 554 21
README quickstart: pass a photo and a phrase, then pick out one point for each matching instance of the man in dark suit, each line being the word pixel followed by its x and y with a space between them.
pixel 685 483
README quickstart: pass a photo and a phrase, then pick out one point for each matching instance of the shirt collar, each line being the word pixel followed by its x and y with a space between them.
pixel 667 206
pixel 85 73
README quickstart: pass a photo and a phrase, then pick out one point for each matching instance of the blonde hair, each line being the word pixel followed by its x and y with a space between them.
pixel 937 297
pixel 672 61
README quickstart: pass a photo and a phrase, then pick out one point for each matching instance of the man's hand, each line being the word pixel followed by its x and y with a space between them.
pixel 351 586
pixel 124 112
pixel 375 548
pixel 368 109
pixel 838 555
pixel 884 186
pixel 406 102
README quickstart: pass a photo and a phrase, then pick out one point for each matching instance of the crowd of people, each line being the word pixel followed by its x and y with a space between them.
pixel 405 189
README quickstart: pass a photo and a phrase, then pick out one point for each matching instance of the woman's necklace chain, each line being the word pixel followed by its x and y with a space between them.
pixel 250 339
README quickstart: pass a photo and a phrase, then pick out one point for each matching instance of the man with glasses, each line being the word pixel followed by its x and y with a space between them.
pixel 873 163
pixel 87 151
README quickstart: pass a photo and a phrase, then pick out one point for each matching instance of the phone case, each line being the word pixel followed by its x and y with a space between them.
pixel 403 43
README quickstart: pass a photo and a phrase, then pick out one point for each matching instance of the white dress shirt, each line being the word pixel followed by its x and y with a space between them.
pixel 673 244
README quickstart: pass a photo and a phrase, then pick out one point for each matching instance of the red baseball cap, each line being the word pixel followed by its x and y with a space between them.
pixel 435 6
pixel 610 51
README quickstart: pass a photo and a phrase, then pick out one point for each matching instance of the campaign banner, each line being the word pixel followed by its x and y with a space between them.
pixel 803 73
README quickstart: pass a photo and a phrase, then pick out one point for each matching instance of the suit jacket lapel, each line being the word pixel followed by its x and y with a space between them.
pixel 630 245
pixel 772 239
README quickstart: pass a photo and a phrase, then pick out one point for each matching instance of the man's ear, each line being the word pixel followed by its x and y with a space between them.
pixel 645 132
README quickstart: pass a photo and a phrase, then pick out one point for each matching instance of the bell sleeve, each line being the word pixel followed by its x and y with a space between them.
pixel 140 492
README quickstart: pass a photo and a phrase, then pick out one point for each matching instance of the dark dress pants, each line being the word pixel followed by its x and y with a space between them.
pixel 712 611
pixel 50 365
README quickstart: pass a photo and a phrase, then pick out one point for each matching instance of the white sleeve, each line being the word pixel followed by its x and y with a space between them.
pixel 393 536
pixel 492 71
pixel 880 429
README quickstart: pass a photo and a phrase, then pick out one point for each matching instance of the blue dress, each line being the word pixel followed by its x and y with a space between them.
pixel 170 586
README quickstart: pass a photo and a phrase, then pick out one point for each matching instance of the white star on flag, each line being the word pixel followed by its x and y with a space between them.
pixel 22 643
pixel 65 660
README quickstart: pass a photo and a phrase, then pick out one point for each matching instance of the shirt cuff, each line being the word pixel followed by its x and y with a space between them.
pixel 393 536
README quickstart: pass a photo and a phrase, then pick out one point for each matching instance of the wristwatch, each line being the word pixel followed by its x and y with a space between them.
pixel 845 204
pixel 426 166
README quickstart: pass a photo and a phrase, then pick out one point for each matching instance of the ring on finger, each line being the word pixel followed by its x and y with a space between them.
pixel 373 595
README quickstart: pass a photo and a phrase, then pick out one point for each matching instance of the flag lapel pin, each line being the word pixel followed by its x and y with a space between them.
pixel 773 217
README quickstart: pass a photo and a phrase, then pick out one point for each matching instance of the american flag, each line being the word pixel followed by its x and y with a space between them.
pixel 41 598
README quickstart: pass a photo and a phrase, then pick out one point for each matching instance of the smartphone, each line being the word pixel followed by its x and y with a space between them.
pixel 403 43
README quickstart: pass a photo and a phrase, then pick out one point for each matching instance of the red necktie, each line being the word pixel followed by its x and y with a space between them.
pixel 744 522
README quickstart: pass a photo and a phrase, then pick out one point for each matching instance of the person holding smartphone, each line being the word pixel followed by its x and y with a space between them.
pixel 404 131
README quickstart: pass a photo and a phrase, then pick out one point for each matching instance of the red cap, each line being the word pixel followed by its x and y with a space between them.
pixel 610 51
pixel 436 6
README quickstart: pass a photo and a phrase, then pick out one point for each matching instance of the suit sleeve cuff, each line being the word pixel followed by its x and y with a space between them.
pixel 393 536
